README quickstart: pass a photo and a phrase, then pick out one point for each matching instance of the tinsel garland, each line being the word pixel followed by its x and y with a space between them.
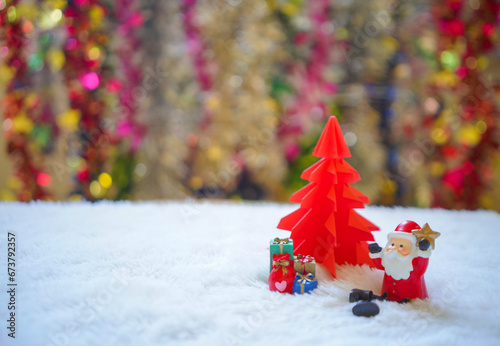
pixel 130 19
pixel 171 108
pixel 132 89
pixel 197 49
pixel 366 91
pixel 85 80
pixel 464 124
pixel 23 123
pixel 225 98
pixel 237 151
pixel 309 29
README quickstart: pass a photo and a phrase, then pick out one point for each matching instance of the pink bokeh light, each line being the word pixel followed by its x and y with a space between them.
pixel 90 80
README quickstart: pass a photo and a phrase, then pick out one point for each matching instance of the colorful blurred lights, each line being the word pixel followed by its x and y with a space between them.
pixel 71 44
pixel 483 62
pixel 56 15
pixel 43 179
pixel 471 62
pixel 350 139
pixel 4 51
pixel 56 59
pixel 105 180
pixel 12 14
pixel 449 59
pixel 90 80
pixel 7 125
pixel 27 27
pixel 196 183
pixel 474 4
pixel 437 168
pixel 95 188
pixel 140 170
pixel 94 53
pixel 235 81
pixel 481 126
pixel 49 19
pixel 488 29
pixel 469 136
pixel 191 140
pixel 431 105
pixel 439 136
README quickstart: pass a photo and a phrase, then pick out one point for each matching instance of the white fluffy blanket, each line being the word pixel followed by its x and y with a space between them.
pixel 196 274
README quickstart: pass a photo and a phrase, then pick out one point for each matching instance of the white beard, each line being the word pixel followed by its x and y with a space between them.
pixel 397 266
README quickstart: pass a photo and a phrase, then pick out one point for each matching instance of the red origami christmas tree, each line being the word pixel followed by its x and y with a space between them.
pixel 326 225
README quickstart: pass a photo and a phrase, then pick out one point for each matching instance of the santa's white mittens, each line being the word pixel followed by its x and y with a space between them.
pixel 375 255
pixel 424 254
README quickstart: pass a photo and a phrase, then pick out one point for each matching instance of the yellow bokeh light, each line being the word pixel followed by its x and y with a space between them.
pixel 12 14
pixel 56 59
pixel 402 71
pixel 486 202
pixel 439 136
pixel 196 183
pixel 437 168
pixel 48 20
pixel 481 126
pixel 6 73
pixel 75 197
pixel 390 43
pixel 94 53
pixel 96 14
pixel 14 183
pixel 7 195
pixel 341 33
pixel 61 4
pixel 31 100
pixel 483 62
pixel 290 9
pixel 213 103
pixel 389 186
pixel 22 124
pixel 69 120
pixel 214 153
pixel 95 189
pixel 105 180
pixel 56 15
pixel 468 135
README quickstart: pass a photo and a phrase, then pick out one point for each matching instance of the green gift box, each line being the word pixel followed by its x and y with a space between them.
pixel 280 246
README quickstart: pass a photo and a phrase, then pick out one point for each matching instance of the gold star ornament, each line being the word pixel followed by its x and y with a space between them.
pixel 426 233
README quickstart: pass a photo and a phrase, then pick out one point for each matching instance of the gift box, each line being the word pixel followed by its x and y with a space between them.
pixel 281 246
pixel 282 276
pixel 304 283
pixel 304 264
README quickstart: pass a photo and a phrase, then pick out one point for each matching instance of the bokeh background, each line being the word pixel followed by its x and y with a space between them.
pixel 149 100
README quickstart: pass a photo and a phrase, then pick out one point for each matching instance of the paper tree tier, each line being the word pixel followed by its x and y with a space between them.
pixel 326 226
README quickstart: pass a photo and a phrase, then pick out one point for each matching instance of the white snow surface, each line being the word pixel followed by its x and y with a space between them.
pixel 195 273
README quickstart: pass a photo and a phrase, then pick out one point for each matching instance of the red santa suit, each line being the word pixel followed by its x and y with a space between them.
pixel 413 286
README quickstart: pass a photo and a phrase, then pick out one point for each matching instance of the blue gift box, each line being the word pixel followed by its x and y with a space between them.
pixel 304 283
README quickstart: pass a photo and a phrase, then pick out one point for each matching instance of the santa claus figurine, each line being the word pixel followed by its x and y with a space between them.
pixel 404 260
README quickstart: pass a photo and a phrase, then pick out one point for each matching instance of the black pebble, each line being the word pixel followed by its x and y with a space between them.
pixel 366 309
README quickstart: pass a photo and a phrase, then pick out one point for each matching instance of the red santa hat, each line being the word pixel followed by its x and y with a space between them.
pixel 404 231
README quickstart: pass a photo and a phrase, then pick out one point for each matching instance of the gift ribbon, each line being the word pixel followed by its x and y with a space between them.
pixel 283 264
pixel 305 259
pixel 280 242
pixel 303 279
